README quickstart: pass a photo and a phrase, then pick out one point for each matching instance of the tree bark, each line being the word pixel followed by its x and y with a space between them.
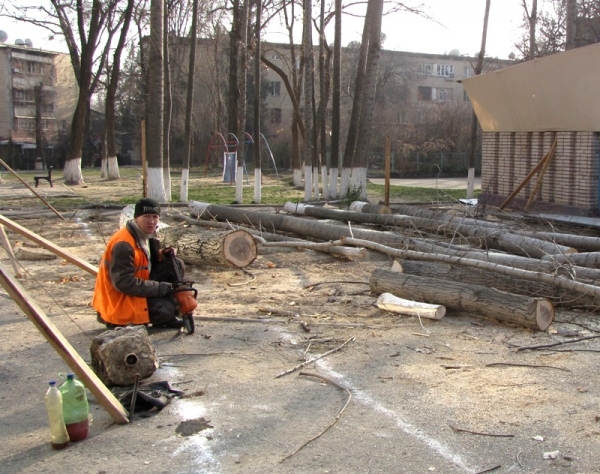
pixel 476 276
pixel 587 259
pixel 234 248
pixel 535 313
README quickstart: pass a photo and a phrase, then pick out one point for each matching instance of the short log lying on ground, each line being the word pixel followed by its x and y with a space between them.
pixel 389 302
pixel 119 356
pixel 234 248
pixel 368 208
pixel 536 313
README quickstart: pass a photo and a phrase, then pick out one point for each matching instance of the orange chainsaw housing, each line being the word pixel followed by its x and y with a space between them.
pixel 186 300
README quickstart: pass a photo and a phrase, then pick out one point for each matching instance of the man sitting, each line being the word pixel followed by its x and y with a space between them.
pixel 135 277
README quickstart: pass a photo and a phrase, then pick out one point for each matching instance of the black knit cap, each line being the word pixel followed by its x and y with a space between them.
pixel 146 206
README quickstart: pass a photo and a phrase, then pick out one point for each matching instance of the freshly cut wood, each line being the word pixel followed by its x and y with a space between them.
pixel 550 267
pixel 560 282
pixel 392 303
pixel 476 276
pixel 347 252
pixel 121 356
pixel 536 313
pixel 296 225
pixel 490 236
pixel 368 208
pixel 235 248
pixel 584 259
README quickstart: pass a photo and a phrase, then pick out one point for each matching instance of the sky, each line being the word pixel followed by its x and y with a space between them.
pixel 459 26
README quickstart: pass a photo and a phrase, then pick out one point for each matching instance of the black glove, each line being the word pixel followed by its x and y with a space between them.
pixel 164 288
pixel 168 252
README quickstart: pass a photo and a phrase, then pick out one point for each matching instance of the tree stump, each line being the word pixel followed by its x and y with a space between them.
pixel 235 248
pixel 120 355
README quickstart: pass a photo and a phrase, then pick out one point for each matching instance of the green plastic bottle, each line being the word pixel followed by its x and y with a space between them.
pixel 59 437
pixel 75 408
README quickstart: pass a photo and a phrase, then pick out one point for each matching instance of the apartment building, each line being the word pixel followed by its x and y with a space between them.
pixel 40 95
pixel 409 82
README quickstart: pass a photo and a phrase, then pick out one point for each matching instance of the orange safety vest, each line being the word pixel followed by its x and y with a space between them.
pixel 116 307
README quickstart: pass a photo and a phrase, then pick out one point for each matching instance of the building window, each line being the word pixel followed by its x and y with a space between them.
pixel 469 72
pixel 24 123
pixel 426 69
pixel 34 67
pixel 275 56
pixel 275 115
pixel 275 88
pixel 435 94
pixel 425 93
pixel 21 95
pixel 444 70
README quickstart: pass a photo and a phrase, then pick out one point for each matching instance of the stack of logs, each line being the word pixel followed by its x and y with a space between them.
pixel 489 267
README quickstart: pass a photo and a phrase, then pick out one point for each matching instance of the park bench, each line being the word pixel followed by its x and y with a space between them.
pixel 47 178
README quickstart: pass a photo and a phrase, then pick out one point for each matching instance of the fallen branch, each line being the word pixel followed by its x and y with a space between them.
pixel 554 344
pixel 341 387
pixel 314 359
pixel 494 364
pixel 481 434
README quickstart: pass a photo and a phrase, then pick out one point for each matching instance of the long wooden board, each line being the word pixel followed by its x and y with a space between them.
pixel 63 347
pixel 38 239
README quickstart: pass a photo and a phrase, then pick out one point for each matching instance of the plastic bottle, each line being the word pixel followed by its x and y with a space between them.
pixel 75 408
pixel 59 437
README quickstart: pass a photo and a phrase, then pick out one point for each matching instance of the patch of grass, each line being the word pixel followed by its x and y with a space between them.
pixel 411 194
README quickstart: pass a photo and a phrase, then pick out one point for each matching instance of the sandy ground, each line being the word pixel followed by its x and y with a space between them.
pixel 410 395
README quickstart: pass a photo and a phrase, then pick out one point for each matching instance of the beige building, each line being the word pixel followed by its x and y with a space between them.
pixel 36 83
pixel 411 81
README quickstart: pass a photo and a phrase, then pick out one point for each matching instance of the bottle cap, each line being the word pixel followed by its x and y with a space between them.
pixel 52 383
pixel 70 376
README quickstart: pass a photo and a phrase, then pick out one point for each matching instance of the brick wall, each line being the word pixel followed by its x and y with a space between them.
pixel 571 179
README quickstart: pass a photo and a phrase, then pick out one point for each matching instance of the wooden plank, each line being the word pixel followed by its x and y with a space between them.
pixel 541 176
pixel 63 347
pixel 88 267
pixel 9 250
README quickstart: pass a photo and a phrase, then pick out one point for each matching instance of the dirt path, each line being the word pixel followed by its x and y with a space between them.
pixel 448 396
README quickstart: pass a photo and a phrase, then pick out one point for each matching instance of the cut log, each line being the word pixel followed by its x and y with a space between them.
pixel 476 276
pixel 490 236
pixel 535 313
pixel 299 226
pixel 31 254
pixel 583 243
pixel 390 302
pixel 584 259
pixel 368 208
pixel 235 248
pixel 121 356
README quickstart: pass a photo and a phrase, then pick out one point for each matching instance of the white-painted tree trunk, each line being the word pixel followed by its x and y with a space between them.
pixel 167 183
pixel 315 194
pixel 185 185
pixel 297 178
pixel 104 168
pixel 257 185
pixel 239 182
pixel 333 183
pixel 358 180
pixel 72 172
pixel 345 182
pixel 325 180
pixel 307 182
pixel 156 187
pixel 471 183
pixel 113 168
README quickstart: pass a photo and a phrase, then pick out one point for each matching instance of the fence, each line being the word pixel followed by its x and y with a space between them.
pixel 424 165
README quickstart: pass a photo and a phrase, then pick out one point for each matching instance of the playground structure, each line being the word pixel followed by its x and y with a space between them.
pixel 228 149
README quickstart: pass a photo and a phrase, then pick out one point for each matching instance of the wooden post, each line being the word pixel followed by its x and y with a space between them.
pixel 387 172
pixel 31 189
pixel 11 255
pixel 143 156
pixel 63 347
pixel 538 183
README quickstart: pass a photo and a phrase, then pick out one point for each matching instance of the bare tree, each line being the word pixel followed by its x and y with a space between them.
pixel 571 25
pixel 155 101
pixel 474 123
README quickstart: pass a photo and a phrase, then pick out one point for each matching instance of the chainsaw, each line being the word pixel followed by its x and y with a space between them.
pixel 185 295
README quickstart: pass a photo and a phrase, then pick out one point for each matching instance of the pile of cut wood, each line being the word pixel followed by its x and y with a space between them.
pixel 493 266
